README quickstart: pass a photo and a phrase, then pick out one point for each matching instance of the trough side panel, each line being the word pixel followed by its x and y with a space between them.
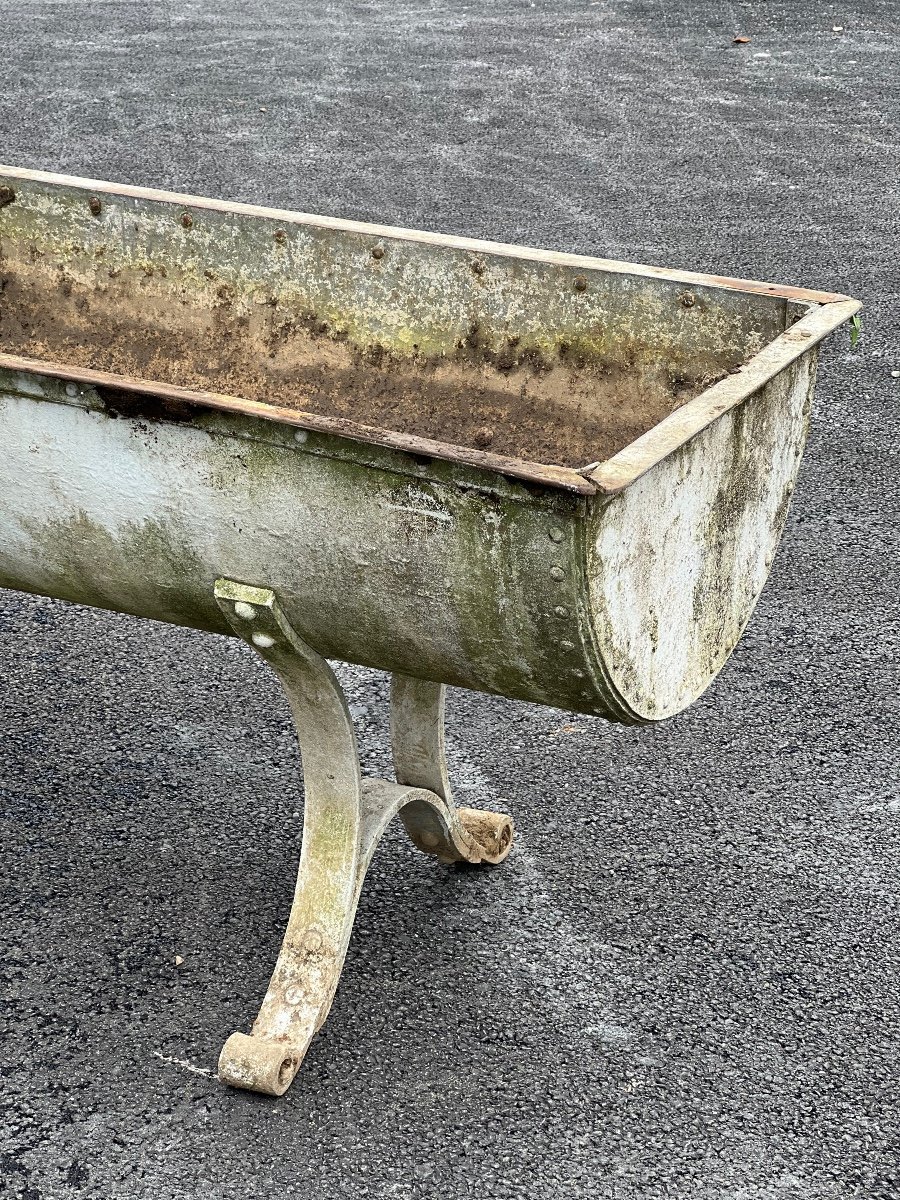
pixel 677 560
pixel 417 571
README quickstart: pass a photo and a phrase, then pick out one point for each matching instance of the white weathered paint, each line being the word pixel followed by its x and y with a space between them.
pixel 681 555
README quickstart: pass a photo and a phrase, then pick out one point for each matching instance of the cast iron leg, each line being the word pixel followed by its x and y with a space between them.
pixel 417 742
pixel 344 818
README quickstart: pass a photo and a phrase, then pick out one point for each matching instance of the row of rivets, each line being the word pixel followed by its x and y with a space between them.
pixel 558 574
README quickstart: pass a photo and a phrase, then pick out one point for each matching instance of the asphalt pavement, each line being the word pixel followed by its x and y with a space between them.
pixel 685 982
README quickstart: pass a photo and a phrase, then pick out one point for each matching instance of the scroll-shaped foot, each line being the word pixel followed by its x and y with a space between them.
pixel 490 834
pixel 420 759
pixel 344 818
pixel 258 1064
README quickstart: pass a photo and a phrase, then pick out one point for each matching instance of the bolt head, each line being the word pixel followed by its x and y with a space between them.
pixel 378 252
pixel 280 235
pixel 187 220
pixel 580 283
pixel 688 300
pixel 95 206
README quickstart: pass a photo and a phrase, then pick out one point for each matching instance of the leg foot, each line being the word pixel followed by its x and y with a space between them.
pixel 257 1064
pixel 491 833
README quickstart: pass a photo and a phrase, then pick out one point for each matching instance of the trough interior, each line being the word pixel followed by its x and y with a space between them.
pixel 537 360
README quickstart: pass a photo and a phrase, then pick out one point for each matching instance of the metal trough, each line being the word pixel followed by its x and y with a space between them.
pixel 555 478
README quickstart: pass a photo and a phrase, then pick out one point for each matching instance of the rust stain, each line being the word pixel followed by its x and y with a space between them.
pixel 564 409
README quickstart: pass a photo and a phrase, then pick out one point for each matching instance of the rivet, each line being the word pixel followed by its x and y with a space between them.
pixel 294 994
pixel 580 283
pixel 378 251
pixel 187 220
pixel 566 645
pixel 262 640
pixel 313 940
pixel 557 573
pixel 300 435
pixel 95 206
pixel 561 610
pixel 7 195
pixel 71 389
pixel 279 235
pixel 555 535
pixel 245 611
pixel 477 266
pixel 578 673
pixel 688 299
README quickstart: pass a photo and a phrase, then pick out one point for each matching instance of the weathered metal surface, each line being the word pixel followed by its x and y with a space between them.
pixel 344 818
pixel 440 566
pixel 438 571
pixel 677 559
pixel 553 478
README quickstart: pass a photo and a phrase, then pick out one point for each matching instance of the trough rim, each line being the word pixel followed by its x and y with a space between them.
pixel 827 310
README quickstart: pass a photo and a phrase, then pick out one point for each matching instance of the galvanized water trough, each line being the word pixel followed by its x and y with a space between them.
pixel 555 478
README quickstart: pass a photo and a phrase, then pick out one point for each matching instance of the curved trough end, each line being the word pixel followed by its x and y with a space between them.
pixel 678 558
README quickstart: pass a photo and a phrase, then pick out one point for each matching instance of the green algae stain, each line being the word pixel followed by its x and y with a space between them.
pixel 147 568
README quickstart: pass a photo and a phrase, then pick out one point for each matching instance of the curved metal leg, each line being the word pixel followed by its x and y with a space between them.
pixel 417 743
pixel 343 820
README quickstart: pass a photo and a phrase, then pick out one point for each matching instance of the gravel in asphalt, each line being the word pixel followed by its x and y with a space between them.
pixel 684 982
